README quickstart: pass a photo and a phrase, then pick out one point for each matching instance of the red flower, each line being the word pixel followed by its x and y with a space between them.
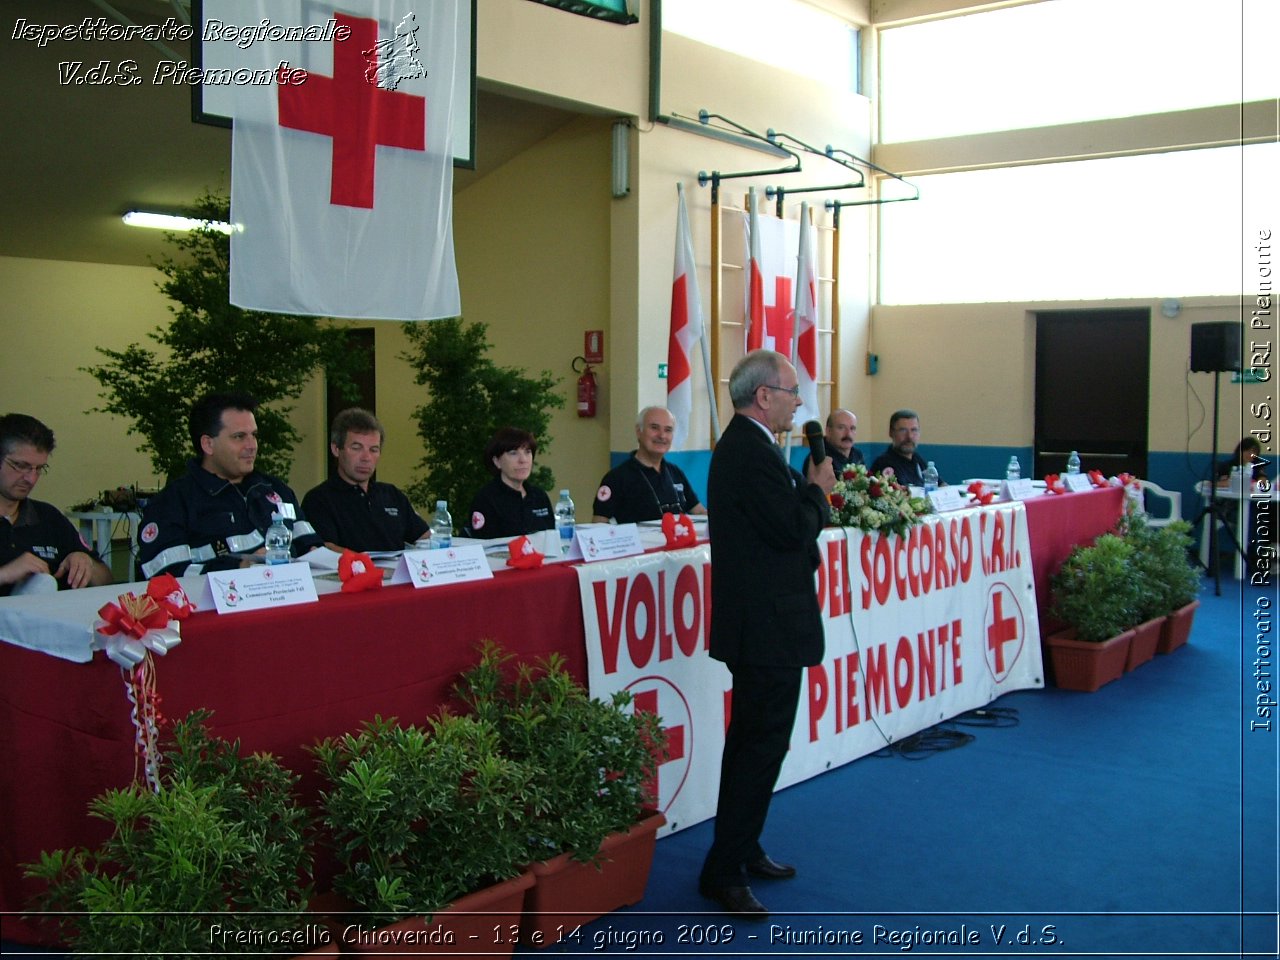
pixel 874 490
pixel 837 500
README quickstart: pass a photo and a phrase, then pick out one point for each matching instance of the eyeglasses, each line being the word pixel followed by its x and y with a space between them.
pixel 22 468
pixel 794 391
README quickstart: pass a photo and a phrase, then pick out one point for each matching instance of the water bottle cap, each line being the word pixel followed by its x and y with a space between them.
pixel 276 518
pixel 442 504
pixel 564 493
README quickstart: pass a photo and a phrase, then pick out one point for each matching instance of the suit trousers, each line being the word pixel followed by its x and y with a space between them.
pixel 765 700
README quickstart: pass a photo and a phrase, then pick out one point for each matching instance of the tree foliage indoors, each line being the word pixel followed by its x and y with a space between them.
pixel 470 397
pixel 210 346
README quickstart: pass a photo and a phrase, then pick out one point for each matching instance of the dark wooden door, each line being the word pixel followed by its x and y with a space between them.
pixel 1092 389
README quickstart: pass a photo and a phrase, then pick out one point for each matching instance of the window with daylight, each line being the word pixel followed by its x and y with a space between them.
pixel 1072 60
pixel 1167 224
pixel 614 10
pixel 790 34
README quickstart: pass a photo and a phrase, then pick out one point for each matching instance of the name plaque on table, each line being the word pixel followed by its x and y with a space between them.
pixel 259 587
pixel 1076 482
pixel 1021 489
pixel 431 568
pixel 610 541
pixel 946 498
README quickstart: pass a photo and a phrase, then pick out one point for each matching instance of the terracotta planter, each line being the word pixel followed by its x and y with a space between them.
pixel 466 926
pixel 569 893
pixel 1146 637
pixel 1177 628
pixel 1081 665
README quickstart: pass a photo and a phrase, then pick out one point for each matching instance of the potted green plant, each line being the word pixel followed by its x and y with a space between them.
pixel 213 861
pixel 593 837
pixel 1096 593
pixel 421 820
pixel 1169 581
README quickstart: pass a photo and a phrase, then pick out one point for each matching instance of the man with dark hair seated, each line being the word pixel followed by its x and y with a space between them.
pixel 351 510
pixel 219 510
pixel 40 549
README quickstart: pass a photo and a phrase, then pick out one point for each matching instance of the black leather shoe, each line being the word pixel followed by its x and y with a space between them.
pixel 770 869
pixel 737 901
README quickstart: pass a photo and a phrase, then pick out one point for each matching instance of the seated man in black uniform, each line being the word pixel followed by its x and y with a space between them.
pixel 219 510
pixel 40 549
pixel 646 486
pixel 837 439
pixel 907 464
pixel 351 510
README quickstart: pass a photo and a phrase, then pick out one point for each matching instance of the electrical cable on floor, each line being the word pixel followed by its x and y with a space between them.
pixel 922 745
pixel 988 717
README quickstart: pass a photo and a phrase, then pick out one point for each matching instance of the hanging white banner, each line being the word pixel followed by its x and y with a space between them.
pixel 919 629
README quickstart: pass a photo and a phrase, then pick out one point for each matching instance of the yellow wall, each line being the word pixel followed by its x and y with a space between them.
pixel 969 370
pixel 53 313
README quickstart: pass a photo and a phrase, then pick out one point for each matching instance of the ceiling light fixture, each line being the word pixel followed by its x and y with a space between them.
pixel 167 221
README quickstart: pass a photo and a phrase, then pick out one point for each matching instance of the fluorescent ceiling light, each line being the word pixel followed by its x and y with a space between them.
pixel 165 221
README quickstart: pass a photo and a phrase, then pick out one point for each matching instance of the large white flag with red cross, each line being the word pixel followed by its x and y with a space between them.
pixel 771 282
pixel 341 170
pixel 686 327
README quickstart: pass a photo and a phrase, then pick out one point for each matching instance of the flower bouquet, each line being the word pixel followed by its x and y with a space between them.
pixel 874 502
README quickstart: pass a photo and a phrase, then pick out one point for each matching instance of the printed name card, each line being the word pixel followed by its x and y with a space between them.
pixel 259 587
pixel 946 498
pixel 1076 482
pixel 607 541
pixel 431 568
pixel 1023 489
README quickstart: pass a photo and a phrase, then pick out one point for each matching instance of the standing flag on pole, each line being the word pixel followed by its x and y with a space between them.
pixel 341 166
pixel 806 341
pixel 770 309
pixel 755 278
pixel 686 327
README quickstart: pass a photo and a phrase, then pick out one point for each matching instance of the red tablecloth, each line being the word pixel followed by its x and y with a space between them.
pixel 1057 523
pixel 280 680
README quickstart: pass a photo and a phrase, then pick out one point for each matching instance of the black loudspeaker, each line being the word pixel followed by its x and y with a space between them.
pixel 1215 346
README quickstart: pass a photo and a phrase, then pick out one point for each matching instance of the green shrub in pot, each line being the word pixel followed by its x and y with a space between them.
pixel 420 816
pixel 595 759
pixel 1096 590
pixel 224 835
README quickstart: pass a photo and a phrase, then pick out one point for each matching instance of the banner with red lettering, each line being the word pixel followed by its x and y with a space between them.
pixel 919 629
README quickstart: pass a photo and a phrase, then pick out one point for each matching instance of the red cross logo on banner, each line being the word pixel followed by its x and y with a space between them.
pixel 1004 626
pixel 359 116
pixel 659 695
pixel 779 316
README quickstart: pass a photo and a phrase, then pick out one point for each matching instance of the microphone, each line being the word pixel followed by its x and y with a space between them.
pixel 813 433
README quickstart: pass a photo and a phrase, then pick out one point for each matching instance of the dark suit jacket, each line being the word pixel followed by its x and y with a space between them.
pixel 764 521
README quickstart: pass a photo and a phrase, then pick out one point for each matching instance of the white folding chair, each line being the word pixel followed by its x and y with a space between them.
pixel 1157 493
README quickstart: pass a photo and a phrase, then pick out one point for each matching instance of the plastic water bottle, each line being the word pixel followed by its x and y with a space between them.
pixel 1073 462
pixel 441 527
pixel 930 478
pixel 565 521
pixel 1014 470
pixel 279 539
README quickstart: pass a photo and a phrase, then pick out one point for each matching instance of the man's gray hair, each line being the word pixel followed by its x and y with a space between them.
pixel 643 414
pixel 354 420
pixel 757 369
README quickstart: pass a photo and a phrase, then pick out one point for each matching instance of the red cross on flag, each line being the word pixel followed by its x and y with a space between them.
pixel 686 328
pixel 771 281
pixel 805 355
pixel 782 296
pixel 342 175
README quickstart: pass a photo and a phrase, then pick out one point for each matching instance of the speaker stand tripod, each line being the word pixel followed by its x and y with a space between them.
pixel 1211 509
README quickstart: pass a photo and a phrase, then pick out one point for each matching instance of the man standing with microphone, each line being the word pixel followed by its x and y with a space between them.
pixel 765 624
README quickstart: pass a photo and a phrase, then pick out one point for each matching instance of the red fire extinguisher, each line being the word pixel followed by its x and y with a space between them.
pixel 586 389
